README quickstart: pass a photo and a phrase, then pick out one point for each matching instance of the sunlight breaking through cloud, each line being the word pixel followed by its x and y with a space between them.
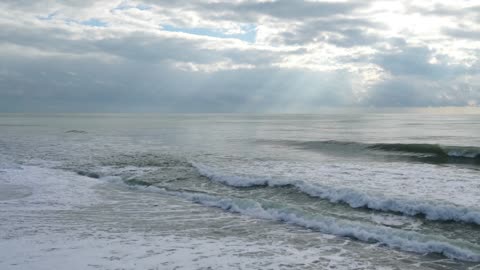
pixel 321 53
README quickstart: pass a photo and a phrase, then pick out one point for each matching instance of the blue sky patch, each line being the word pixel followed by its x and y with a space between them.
pixel 249 35
pixel 94 22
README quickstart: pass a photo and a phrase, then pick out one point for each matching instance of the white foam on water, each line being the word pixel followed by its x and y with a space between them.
pixel 395 220
pixel 394 238
pixel 47 188
pixel 432 209
pixel 465 152
pixel 45 238
pixel 137 251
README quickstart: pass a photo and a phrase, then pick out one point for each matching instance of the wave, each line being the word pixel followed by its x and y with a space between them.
pixel 435 150
pixel 394 238
pixel 355 199
pixel 372 233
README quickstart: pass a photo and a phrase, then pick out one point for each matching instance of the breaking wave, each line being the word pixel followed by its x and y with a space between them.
pixel 355 199
pixel 471 153
pixel 434 149
pixel 394 238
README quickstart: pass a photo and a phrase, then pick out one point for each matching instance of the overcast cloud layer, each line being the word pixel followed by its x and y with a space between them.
pixel 237 56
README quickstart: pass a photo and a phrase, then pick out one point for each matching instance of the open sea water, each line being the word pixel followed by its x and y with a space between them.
pixel 336 190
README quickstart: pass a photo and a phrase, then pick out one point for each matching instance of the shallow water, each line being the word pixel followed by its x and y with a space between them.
pixel 346 190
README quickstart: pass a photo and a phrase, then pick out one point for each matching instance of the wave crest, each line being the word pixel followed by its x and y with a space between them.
pixel 436 150
pixel 394 238
pixel 355 199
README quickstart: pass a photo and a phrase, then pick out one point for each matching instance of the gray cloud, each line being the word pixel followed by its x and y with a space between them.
pixel 80 84
pixel 346 32
pixel 462 33
pixel 134 46
pixel 415 61
pixel 442 10
pixel 312 54
pixel 410 92
pixel 286 9
pixel 249 11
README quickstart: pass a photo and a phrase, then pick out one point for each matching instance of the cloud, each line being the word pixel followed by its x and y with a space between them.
pixel 189 56
pixel 284 9
pixel 342 32
pixel 73 85
pixel 417 62
pixel 463 34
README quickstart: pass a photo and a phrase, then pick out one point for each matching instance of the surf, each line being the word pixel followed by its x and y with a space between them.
pixel 429 209
pixel 420 152
pixel 391 237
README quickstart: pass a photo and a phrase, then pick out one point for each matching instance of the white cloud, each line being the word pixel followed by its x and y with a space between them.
pixel 383 53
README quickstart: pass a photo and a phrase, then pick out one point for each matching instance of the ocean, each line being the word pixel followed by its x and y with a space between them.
pixel 357 189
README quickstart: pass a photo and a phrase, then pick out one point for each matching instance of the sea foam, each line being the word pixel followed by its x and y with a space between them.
pixel 430 209
pixel 394 238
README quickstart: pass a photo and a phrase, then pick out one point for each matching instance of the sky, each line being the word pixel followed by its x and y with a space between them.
pixel 237 56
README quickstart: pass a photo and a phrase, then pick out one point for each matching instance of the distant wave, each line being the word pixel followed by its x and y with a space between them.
pixel 435 149
pixel 471 153
pixel 76 131
pixel 355 199
pixel 394 238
